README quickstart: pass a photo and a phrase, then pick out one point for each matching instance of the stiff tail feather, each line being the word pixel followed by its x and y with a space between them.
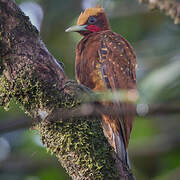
pixel 120 149
pixel 116 140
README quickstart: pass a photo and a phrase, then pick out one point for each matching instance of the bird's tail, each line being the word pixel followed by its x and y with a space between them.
pixel 120 149
pixel 116 140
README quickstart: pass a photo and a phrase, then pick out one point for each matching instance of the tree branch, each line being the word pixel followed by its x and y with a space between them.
pixel 170 7
pixel 91 111
pixel 15 124
pixel 95 110
pixel 31 75
pixel 24 164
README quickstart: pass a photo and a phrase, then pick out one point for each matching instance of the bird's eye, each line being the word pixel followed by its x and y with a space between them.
pixel 91 20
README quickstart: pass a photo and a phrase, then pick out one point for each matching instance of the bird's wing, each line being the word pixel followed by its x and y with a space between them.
pixel 118 62
pixel 116 55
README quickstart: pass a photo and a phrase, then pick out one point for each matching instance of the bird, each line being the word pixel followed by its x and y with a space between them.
pixel 105 61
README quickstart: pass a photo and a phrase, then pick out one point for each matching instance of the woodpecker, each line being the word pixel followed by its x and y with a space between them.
pixel 106 61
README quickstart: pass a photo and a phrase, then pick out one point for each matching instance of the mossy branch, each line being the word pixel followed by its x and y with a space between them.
pixel 170 7
pixel 30 75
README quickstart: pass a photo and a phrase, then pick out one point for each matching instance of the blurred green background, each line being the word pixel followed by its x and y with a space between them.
pixel 155 140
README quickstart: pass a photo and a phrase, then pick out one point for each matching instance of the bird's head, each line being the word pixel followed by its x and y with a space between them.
pixel 90 21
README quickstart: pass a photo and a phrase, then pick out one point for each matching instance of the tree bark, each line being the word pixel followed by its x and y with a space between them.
pixel 31 75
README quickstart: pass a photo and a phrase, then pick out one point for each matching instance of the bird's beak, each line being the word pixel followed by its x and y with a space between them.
pixel 76 28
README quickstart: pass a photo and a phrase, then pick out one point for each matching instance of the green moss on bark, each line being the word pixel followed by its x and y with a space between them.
pixel 5 95
pixel 78 143
pixel 81 147
pixel 29 91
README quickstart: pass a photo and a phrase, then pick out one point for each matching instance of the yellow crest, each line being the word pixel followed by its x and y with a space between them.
pixel 88 12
